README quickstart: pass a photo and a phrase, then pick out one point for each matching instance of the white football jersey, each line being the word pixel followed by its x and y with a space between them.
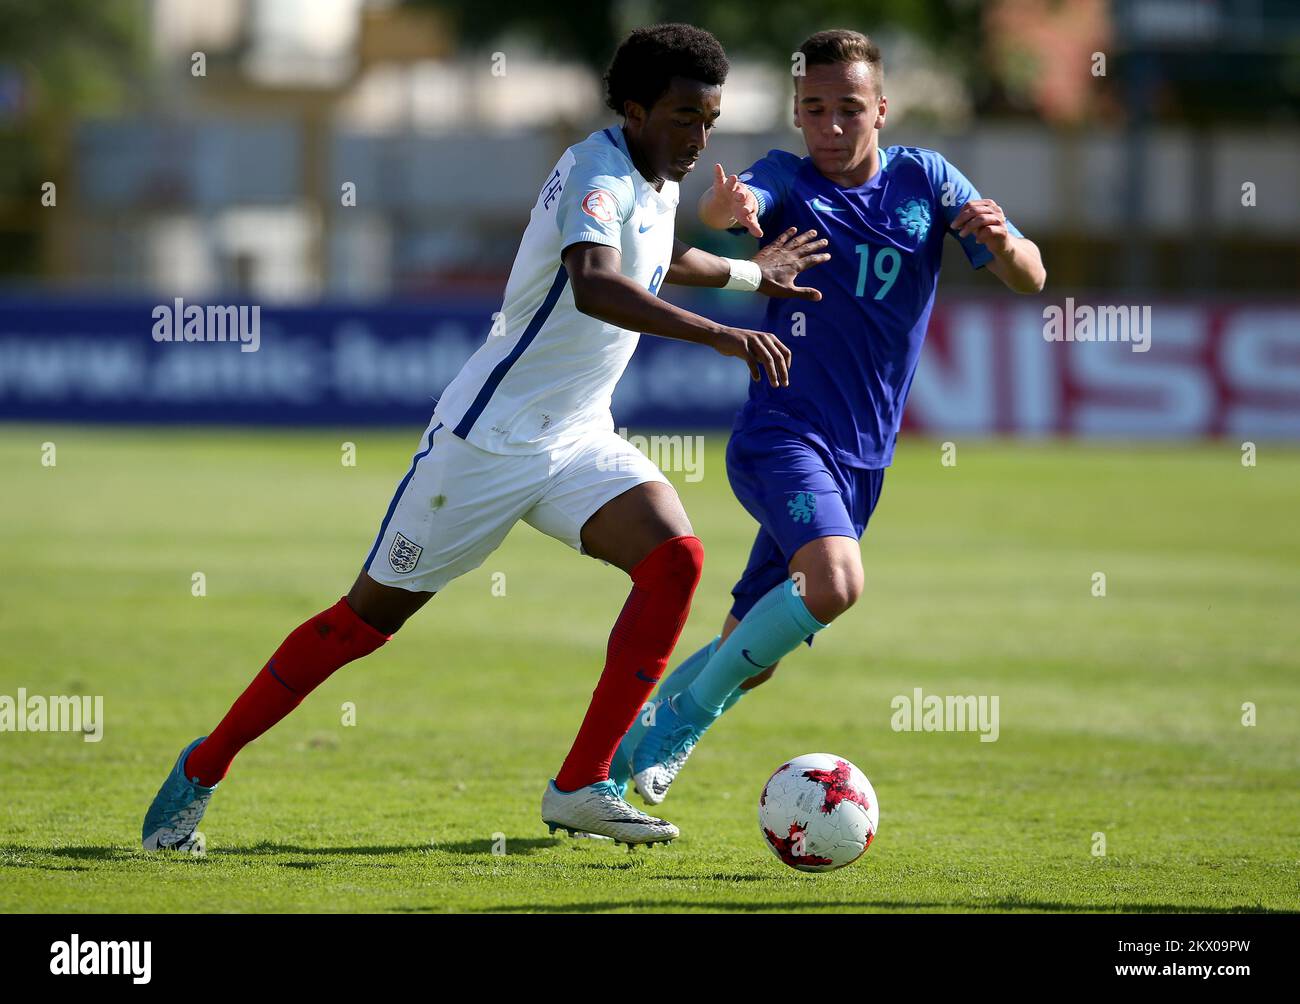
pixel 546 372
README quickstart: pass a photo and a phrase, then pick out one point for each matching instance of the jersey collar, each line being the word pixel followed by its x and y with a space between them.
pixel 615 135
pixel 872 182
pixel 665 195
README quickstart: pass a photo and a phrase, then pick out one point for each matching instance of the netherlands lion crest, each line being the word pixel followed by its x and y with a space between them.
pixel 914 215
pixel 403 555
pixel 802 507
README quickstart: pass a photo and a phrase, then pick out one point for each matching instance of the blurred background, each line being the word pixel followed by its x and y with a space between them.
pixel 362 171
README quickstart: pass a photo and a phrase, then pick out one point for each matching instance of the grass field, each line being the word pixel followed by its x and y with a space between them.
pixel 1119 715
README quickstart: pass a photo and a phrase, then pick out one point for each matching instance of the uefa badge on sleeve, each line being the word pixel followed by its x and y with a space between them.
pixel 599 204
pixel 403 555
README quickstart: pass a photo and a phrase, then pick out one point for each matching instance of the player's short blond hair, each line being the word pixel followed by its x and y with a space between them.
pixel 841 45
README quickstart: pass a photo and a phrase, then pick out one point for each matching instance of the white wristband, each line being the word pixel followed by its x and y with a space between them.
pixel 745 275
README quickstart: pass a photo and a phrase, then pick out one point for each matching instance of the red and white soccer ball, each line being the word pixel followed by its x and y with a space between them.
pixel 818 812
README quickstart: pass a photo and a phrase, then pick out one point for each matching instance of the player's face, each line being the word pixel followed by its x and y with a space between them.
pixel 838 111
pixel 673 133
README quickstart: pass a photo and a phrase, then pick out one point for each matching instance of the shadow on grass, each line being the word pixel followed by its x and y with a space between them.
pixel 513 845
pixel 35 856
pixel 862 906
pixel 15 855
pixel 270 847
pixel 66 858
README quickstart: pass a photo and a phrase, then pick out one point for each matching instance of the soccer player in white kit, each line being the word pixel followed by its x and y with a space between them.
pixel 524 431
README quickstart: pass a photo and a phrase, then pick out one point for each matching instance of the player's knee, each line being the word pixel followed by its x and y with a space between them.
pixel 384 608
pixel 829 595
pixel 676 564
pixel 688 551
pixel 374 615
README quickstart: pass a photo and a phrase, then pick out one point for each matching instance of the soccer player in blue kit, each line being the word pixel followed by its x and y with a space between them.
pixel 807 460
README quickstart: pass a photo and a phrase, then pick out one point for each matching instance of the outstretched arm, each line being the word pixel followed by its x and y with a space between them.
pixel 778 264
pixel 693 267
pixel 601 290
pixel 1016 260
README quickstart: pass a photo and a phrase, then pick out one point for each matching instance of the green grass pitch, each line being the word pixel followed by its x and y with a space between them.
pixel 1120 715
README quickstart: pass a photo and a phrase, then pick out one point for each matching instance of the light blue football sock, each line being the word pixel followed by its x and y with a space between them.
pixel 674 683
pixel 732 698
pixel 773 628
pixel 684 675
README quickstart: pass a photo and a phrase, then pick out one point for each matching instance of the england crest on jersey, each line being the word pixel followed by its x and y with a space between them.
pixel 404 554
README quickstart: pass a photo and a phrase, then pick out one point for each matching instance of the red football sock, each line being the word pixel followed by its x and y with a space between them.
pixel 639 648
pixel 313 651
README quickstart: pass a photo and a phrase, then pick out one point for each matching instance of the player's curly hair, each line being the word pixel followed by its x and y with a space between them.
pixel 648 59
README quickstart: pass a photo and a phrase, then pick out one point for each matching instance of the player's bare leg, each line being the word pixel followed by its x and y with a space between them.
pixel 384 608
pixel 626 529
pixel 646 533
pixel 830 569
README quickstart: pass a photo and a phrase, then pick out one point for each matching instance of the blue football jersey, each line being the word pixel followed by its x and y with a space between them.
pixel 855 351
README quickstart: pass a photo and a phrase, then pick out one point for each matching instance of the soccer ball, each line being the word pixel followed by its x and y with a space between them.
pixel 818 812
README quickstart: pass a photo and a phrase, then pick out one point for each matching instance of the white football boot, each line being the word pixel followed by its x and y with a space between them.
pixel 662 752
pixel 597 809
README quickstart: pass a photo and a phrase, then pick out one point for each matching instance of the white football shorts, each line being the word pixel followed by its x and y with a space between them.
pixel 458 502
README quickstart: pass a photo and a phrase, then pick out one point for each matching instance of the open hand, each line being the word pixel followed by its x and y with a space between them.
pixel 731 191
pixel 785 258
pixel 761 350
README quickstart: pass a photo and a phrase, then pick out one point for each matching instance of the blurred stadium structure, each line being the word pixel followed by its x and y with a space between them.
pixel 205 149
